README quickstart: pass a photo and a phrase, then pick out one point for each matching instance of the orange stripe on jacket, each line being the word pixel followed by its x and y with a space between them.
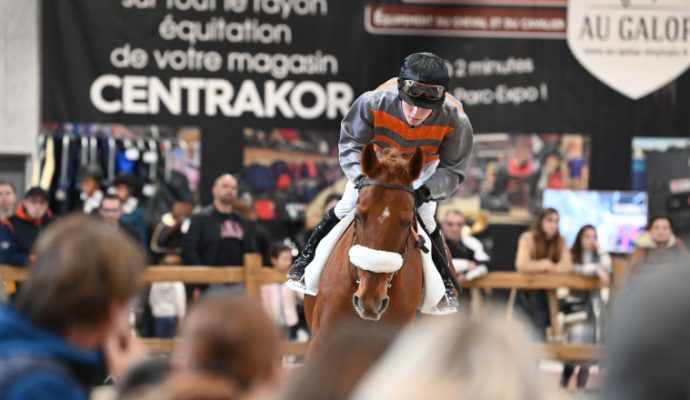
pixel 385 120
pixel 428 149
pixel 390 82
pixel 455 101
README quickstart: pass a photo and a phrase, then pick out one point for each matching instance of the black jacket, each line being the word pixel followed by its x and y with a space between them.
pixel 215 238
pixel 17 236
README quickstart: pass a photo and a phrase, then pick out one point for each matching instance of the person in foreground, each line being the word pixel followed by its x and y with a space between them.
pixel 69 328
pixel 411 111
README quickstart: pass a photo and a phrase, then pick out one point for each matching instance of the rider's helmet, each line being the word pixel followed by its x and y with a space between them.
pixel 423 80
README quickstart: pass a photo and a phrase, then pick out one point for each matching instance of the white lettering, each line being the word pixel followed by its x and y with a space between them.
pixel 96 93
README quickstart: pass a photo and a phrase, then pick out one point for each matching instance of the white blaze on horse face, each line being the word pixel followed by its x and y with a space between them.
pixel 384 216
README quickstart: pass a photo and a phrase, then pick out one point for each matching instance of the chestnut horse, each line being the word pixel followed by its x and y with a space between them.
pixel 382 238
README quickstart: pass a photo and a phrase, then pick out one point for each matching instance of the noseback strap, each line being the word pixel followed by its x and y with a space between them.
pixel 377 261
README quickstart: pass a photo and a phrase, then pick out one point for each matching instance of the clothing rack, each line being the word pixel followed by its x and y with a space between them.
pixel 151 155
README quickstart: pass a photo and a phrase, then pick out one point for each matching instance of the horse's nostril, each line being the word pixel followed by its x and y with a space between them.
pixel 357 301
pixel 382 305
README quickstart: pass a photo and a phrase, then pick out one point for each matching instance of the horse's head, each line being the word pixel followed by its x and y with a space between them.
pixel 383 221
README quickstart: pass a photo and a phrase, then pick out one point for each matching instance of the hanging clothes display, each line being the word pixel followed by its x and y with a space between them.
pixel 65 149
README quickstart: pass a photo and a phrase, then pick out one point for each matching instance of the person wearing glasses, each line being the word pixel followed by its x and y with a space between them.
pixel 410 111
pixel 110 211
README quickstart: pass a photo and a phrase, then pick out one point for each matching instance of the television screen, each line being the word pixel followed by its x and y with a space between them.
pixel 617 216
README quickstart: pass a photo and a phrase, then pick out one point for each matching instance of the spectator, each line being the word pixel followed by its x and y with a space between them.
pixel 195 387
pixel 542 250
pixel 167 236
pixel 91 194
pixel 168 303
pixel 330 201
pixel 587 261
pixel 229 336
pixel 8 199
pixel 111 212
pixel 217 234
pixel 133 214
pixel 341 363
pixel 71 315
pixel 280 301
pixel 650 358
pixel 455 358
pixel 658 245
pixel 469 257
pixel 147 374
pixel 19 232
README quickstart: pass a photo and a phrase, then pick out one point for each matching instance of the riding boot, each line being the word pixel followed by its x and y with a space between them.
pixel 296 272
pixel 449 303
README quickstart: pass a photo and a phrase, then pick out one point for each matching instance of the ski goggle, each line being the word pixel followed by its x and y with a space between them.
pixel 416 89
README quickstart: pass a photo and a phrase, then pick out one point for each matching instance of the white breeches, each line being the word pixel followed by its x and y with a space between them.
pixel 348 202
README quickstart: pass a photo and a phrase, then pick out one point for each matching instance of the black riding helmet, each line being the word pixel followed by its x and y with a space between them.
pixel 423 80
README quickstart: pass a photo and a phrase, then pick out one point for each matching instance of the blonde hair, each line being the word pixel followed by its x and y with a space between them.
pixel 456 357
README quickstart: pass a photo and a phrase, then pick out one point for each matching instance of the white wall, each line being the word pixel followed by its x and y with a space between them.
pixel 19 76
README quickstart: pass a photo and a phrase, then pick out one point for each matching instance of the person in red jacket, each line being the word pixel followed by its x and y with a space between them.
pixel 19 232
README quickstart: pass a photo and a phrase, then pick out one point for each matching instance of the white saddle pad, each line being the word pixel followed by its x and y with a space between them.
pixel 432 290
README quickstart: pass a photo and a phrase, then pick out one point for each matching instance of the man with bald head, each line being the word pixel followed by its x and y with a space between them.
pixel 217 235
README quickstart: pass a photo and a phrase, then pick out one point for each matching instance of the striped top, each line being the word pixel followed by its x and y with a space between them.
pixel 445 137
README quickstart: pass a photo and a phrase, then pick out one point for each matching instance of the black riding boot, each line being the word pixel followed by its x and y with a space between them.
pixel 450 302
pixel 307 255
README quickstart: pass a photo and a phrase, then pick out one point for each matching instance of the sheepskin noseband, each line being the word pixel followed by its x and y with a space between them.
pixel 377 261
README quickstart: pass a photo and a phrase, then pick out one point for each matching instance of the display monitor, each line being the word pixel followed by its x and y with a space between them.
pixel 617 216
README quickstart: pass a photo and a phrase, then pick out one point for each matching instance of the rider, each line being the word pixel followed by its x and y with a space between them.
pixel 412 110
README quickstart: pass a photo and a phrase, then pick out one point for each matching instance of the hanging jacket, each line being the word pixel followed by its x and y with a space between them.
pixel 17 236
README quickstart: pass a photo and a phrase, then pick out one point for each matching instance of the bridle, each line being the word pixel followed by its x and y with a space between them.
pixel 362 182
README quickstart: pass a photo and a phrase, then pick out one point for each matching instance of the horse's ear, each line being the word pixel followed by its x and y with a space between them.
pixel 370 163
pixel 416 163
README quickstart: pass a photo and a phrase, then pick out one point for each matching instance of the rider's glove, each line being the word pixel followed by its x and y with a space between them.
pixel 421 195
pixel 359 180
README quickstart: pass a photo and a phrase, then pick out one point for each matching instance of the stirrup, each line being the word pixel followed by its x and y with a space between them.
pixel 448 305
pixel 299 286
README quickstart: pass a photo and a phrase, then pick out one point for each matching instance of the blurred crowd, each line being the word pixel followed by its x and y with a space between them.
pixel 74 325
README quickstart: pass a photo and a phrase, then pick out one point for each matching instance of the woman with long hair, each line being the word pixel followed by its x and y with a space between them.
pixel 584 309
pixel 541 250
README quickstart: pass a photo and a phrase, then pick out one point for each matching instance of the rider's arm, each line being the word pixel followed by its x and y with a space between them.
pixel 356 130
pixel 453 155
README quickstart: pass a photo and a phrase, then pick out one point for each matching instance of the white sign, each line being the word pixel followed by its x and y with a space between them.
pixel 633 46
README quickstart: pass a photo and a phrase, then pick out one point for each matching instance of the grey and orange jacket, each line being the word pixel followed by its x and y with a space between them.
pixel 445 137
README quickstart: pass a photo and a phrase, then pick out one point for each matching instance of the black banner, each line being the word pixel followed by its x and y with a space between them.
pixel 228 64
